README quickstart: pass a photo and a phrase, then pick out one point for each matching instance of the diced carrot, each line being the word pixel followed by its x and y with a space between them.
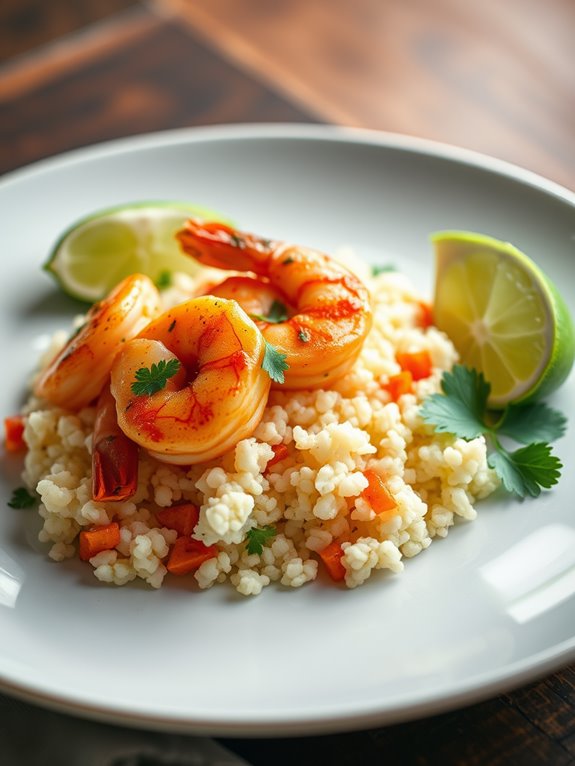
pixel 331 556
pixel 377 494
pixel 399 384
pixel 98 539
pixel 426 314
pixel 183 518
pixel 280 453
pixel 188 554
pixel 418 363
pixel 14 433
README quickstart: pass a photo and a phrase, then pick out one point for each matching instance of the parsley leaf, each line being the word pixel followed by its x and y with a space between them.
pixel 532 423
pixel 151 380
pixel 257 537
pixel 527 469
pixel 460 409
pixel 21 498
pixel 274 363
pixel 277 313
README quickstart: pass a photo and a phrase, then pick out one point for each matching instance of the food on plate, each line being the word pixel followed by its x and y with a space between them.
pixel 504 315
pixel 324 313
pixel 294 418
pixel 214 394
pixel 78 372
pixel 99 250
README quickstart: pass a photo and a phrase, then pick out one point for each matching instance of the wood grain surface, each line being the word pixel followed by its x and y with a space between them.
pixel 494 76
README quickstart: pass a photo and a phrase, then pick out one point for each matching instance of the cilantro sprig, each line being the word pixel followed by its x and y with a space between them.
pixel 21 498
pixel 257 537
pixel 164 279
pixel 274 363
pixel 462 410
pixel 151 380
pixel 277 313
pixel 382 268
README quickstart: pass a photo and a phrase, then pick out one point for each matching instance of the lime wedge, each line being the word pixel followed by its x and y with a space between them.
pixel 99 250
pixel 503 314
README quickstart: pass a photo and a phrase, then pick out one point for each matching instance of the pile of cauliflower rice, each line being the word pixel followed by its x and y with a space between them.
pixel 311 497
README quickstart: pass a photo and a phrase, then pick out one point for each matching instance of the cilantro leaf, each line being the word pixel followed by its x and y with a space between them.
pixel 274 363
pixel 21 498
pixel 164 279
pixel 532 423
pixel 277 313
pixel 527 469
pixel 461 408
pixel 378 269
pixel 257 537
pixel 151 380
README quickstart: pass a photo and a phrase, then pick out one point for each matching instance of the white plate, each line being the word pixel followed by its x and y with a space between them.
pixel 490 607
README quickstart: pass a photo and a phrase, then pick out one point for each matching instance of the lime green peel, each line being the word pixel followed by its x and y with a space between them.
pixel 102 248
pixel 504 315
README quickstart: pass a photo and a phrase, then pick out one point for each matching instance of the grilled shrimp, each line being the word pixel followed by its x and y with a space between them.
pixel 216 391
pixel 78 373
pixel 327 308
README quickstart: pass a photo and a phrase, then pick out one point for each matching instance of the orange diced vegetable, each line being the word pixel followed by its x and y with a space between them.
pixel 188 554
pixel 98 539
pixel 183 518
pixel 377 494
pixel 280 453
pixel 331 556
pixel 426 314
pixel 399 384
pixel 14 433
pixel 418 363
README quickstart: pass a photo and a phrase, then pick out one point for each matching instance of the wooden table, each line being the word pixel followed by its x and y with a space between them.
pixel 493 76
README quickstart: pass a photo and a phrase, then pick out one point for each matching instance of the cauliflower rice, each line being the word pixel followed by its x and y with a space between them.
pixel 311 497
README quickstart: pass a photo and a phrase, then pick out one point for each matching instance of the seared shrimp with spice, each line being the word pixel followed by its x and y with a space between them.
pixel 192 384
pixel 307 306
pixel 78 373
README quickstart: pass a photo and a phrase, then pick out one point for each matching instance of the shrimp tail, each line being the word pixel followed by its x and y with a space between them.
pixel 114 455
pixel 218 245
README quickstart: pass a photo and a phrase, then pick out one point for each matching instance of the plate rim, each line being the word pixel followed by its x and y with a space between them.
pixel 474 689
pixel 294 131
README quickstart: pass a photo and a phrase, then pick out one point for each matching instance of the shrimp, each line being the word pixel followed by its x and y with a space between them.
pixel 327 308
pixel 114 456
pixel 77 374
pixel 218 391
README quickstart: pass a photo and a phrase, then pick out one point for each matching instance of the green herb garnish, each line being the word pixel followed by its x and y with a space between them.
pixel 462 410
pixel 257 537
pixel 21 498
pixel 274 363
pixel 164 280
pixel 378 269
pixel 151 380
pixel 277 313
pixel 304 335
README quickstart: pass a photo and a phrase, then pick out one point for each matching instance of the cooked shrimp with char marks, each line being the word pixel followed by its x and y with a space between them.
pixel 215 393
pixel 327 308
pixel 78 373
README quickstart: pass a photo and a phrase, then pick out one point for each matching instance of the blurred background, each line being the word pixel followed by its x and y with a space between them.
pixel 495 76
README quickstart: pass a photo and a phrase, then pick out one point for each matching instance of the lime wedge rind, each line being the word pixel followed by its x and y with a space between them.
pixel 100 249
pixel 525 295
